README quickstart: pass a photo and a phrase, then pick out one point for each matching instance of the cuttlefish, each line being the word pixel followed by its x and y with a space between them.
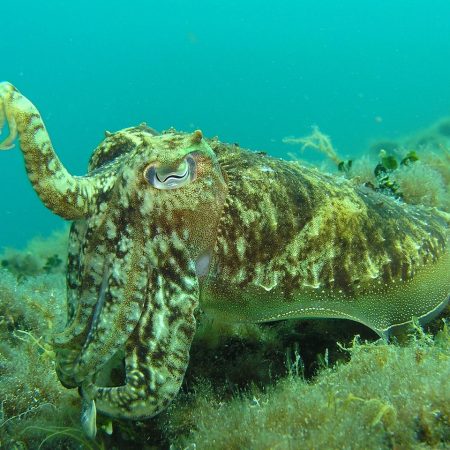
pixel 165 225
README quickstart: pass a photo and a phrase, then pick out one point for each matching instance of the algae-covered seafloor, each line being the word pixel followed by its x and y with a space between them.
pixel 280 385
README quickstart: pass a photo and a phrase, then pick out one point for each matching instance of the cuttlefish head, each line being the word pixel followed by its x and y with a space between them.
pixel 136 258
pixel 145 220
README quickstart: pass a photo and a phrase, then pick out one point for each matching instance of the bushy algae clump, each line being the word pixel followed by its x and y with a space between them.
pixel 31 308
pixel 426 181
pixel 42 255
pixel 423 179
pixel 386 396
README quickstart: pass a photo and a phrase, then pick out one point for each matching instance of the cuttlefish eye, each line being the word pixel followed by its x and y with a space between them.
pixel 162 177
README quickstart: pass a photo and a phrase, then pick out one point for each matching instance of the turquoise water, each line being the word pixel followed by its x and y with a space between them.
pixel 248 71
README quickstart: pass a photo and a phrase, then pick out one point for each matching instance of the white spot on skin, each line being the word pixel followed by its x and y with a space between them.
pixel 41 137
pixel 111 230
pixel 159 326
pixel 118 273
pixel 160 378
pixel 268 288
pixel 52 165
pixel 147 204
pixel 202 264
pixel 163 246
pixel 315 285
pixel 80 201
pixel 240 247
pixel 124 244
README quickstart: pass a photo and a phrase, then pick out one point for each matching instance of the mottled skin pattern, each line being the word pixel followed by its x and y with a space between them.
pixel 165 225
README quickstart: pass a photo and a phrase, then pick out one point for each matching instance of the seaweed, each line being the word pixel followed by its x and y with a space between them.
pixel 317 141
pixel 414 168
pixel 386 396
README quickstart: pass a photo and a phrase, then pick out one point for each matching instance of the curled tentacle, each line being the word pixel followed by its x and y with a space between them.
pixel 157 352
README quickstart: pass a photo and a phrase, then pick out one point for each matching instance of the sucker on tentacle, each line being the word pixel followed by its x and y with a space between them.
pixel 168 223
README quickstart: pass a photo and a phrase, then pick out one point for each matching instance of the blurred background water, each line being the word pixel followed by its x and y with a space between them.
pixel 248 71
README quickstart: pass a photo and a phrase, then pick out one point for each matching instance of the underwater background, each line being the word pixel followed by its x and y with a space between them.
pixel 348 78
pixel 251 72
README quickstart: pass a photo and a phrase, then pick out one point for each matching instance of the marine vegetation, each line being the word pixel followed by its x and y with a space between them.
pixel 425 181
pixel 170 228
pixel 42 255
pixel 385 397
pixel 317 141
pixel 394 167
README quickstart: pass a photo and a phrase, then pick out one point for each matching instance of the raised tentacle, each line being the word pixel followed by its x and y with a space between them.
pixel 66 195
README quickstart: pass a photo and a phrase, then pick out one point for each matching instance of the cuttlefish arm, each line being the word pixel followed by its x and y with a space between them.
pixel 157 352
pixel 66 195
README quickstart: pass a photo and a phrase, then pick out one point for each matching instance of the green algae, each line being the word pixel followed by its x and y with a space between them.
pixel 30 392
pixel 418 164
pixel 42 255
pixel 386 396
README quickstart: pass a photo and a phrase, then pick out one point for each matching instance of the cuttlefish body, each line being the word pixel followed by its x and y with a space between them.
pixel 168 224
